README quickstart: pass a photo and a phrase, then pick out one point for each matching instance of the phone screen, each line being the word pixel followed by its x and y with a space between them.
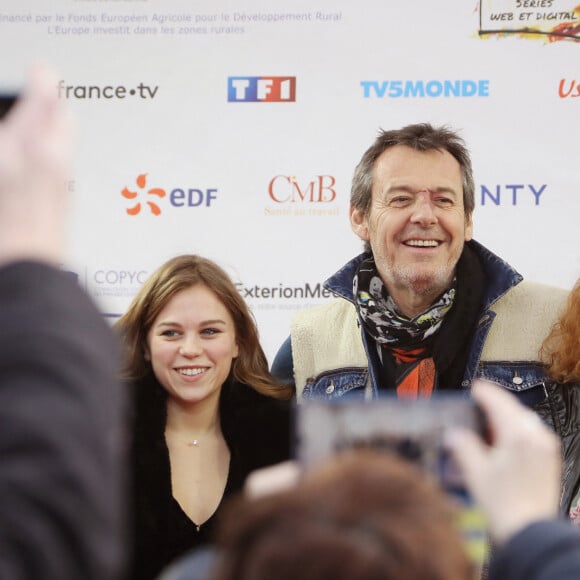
pixel 412 429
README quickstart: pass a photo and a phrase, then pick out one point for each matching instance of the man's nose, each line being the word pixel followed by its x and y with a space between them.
pixel 424 209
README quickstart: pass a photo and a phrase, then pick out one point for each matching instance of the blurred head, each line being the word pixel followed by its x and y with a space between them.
pixel 363 515
pixel 182 273
pixel 411 202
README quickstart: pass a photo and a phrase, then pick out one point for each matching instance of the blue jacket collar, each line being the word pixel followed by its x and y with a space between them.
pixel 499 274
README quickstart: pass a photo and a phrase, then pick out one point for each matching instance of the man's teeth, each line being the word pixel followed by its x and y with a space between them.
pixel 190 372
pixel 423 243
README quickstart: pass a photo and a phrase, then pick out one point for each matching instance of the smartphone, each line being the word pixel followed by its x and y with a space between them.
pixel 7 100
pixel 412 429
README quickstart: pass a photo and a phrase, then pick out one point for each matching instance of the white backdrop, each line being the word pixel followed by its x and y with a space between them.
pixel 162 91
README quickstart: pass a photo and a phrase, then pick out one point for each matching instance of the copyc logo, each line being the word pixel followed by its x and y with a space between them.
pixel 141 182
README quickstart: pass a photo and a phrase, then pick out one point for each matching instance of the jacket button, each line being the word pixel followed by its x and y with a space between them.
pixel 517 380
pixel 330 388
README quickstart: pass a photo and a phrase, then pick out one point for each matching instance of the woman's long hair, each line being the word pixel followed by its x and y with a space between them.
pixel 180 273
pixel 561 348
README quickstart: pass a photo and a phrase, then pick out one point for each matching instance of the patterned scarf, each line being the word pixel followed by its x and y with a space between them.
pixel 408 339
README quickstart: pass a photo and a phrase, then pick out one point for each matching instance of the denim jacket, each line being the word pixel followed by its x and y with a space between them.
pixel 328 355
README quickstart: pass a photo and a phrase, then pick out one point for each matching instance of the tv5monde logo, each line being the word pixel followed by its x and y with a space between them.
pixel 261 89
pixel 143 199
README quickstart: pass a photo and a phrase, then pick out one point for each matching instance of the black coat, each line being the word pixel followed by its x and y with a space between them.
pixel 546 550
pixel 257 431
pixel 61 438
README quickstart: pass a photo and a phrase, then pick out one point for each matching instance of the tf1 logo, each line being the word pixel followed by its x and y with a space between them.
pixel 261 89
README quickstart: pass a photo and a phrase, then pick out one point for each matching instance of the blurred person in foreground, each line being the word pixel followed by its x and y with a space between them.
pixel 61 508
pixel 364 515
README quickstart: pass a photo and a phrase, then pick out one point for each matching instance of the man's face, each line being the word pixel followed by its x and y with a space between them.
pixel 416 224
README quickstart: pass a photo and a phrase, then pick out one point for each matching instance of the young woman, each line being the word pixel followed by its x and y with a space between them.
pixel 206 410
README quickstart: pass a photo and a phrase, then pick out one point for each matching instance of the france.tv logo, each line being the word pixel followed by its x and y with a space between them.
pixel 261 89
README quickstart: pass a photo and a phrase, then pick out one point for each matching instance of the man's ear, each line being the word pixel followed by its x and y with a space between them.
pixel 359 223
pixel 468 227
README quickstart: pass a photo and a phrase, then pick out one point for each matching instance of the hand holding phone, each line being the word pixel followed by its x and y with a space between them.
pixel 413 429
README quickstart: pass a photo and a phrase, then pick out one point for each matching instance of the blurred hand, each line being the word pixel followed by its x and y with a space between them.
pixel 274 479
pixel 35 161
pixel 516 478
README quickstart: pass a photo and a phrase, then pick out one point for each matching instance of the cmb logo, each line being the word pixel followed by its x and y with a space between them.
pixel 287 189
pixel 150 199
pixel 261 89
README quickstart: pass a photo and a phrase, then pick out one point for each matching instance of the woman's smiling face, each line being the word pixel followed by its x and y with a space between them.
pixel 192 344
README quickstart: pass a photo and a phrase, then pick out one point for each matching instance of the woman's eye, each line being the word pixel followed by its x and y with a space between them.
pixel 210 331
pixel 169 333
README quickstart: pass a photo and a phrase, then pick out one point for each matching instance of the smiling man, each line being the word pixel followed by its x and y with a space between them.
pixel 425 308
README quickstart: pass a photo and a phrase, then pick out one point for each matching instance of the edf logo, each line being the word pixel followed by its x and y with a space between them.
pixel 261 89
pixel 177 197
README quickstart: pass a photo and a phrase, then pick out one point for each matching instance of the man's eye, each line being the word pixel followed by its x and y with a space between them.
pixel 400 200
pixel 444 201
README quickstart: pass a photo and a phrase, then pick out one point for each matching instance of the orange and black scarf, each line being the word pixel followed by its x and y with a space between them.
pixel 430 351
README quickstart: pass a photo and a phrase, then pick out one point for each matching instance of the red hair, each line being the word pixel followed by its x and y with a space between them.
pixel 363 516
pixel 561 348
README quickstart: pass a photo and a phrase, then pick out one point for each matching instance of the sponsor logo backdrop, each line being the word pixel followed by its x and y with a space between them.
pixel 232 129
